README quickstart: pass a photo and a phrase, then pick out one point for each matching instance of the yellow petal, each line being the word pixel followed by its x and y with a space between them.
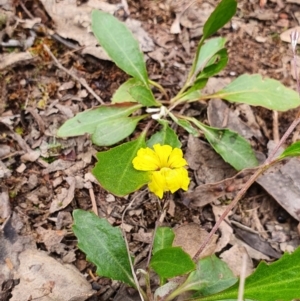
pixel 158 183
pixel 176 159
pixel 146 160
pixel 163 153
pixel 176 179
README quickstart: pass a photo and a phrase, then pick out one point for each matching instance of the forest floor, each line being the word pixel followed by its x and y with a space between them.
pixel 44 178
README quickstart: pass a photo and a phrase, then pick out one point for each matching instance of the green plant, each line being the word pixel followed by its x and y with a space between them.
pixel 134 101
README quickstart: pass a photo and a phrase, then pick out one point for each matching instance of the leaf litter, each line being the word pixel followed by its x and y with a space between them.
pixel 54 176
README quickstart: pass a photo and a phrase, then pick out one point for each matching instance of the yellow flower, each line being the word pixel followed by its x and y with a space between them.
pixel 166 166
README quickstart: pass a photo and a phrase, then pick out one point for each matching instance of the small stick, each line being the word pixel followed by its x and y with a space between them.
pixel 275 127
pixel 93 200
pixel 29 14
pixel 141 292
pixel 242 277
pixel 82 82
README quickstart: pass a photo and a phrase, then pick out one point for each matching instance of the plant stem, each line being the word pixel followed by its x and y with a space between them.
pixel 160 88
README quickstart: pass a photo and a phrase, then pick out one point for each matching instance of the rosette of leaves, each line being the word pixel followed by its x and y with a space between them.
pixel 110 124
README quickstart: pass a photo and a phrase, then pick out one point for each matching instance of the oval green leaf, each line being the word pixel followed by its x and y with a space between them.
pixel 219 17
pixel 211 276
pixel 164 237
pixel 103 245
pixel 143 95
pixel 111 131
pixel 233 148
pixel 256 91
pixel 207 51
pixel 279 280
pixel 217 64
pixel 165 136
pixel 122 94
pixel 120 45
pixel 291 151
pixel 171 262
pixel 87 121
pixel 115 171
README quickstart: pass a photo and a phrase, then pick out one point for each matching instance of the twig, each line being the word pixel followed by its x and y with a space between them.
pixel 141 292
pixel 82 82
pixel 29 14
pixel 275 127
pixel 242 277
pixel 157 224
pixel 93 200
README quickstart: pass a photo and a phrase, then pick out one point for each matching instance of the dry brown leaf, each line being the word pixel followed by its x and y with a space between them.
pixel 45 279
pixel 225 229
pixel 5 209
pixel 13 58
pixel 73 21
pixel 65 197
pixel 286 35
pixel 220 116
pixel 190 237
pixel 234 259
pixel 282 183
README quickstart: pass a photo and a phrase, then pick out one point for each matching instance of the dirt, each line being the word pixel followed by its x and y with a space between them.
pixel 37 97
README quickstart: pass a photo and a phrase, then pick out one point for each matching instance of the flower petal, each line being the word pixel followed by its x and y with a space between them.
pixel 146 160
pixel 158 183
pixel 163 152
pixel 176 159
pixel 176 179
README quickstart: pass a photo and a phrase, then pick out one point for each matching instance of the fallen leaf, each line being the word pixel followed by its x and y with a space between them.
pixel 286 35
pixel 234 259
pixel 9 59
pixel 73 22
pixel 190 237
pixel 44 278
pixel 224 228
pixel 282 183
pixel 64 198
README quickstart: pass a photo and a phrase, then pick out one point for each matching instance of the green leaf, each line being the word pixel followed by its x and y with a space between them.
pixel 120 45
pixel 165 136
pixel 211 276
pixel 208 51
pixel 233 148
pixel 103 245
pixel 122 94
pixel 279 280
pixel 255 91
pixel 164 237
pixel 291 151
pixel 143 95
pixel 186 125
pixel 111 131
pixel 217 64
pixel 87 121
pixel 171 262
pixel 219 17
pixel 193 93
pixel 115 171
